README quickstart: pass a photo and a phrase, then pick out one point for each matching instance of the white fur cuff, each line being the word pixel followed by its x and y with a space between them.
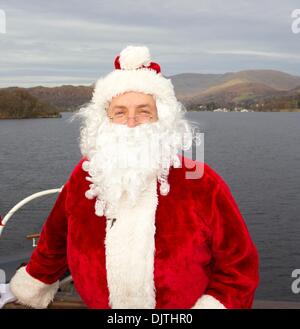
pixel 208 302
pixel 30 291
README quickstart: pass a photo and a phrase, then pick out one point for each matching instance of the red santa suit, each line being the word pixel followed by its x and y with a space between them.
pixel 188 249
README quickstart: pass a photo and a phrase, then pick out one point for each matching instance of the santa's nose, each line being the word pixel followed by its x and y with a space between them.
pixel 131 122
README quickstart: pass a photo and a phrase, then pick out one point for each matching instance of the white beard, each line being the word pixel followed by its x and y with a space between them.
pixel 125 160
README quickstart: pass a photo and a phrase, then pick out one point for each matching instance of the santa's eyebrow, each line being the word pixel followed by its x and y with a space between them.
pixel 119 107
pixel 124 107
pixel 143 105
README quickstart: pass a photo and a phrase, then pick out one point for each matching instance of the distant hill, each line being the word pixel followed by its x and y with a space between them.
pixel 191 83
pixel 232 91
pixel 256 89
pixel 239 88
pixel 65 97
pixel 17 103
pixel 294 91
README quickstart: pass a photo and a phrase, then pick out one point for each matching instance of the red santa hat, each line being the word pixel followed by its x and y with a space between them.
pixel 134 71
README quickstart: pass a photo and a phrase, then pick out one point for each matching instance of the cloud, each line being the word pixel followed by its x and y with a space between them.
pixel 74 41
pixel 262 54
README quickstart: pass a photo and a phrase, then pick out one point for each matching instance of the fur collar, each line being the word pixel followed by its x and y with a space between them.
pixel 129 247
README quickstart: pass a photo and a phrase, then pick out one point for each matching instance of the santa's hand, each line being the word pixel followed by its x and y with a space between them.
pixel 6 296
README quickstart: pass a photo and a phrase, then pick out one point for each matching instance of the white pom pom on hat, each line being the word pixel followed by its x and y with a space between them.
pixel 132 58
pixel 135 57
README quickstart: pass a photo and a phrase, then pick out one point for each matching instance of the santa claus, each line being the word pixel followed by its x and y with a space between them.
pixel 136 225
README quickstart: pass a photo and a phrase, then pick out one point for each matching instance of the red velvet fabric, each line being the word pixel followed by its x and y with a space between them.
pixel 202 245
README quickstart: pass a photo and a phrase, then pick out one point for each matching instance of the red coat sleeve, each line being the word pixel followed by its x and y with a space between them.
pixel 36 284
pixel 48 261
pixel 235 270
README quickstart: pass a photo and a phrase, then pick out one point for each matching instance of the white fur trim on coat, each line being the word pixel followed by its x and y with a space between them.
pixel 129 247
pixel 30 291
pixel 208 302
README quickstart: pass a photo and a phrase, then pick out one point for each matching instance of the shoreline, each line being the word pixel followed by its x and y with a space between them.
pixel 38 117
pixel 279 111
pixel 59 116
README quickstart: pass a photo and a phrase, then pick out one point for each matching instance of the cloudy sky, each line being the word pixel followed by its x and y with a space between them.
pixel 74 42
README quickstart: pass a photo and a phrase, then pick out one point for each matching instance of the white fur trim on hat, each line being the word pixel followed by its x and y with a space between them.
pixel 208 302
pixel 30 291
pixel 141 80
pixel 133 57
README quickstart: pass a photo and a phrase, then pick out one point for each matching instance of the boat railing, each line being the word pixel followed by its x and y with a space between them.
pixel 19 205
pixel 33 237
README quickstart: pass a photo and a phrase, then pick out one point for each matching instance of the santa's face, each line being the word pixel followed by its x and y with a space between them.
pixel 132 109
pixel 131 149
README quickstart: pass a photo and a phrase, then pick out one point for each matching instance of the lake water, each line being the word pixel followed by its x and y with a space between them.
pixel 258 154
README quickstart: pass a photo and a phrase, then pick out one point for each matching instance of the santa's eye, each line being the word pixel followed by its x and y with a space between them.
pixel 120 113
pixel 144 112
